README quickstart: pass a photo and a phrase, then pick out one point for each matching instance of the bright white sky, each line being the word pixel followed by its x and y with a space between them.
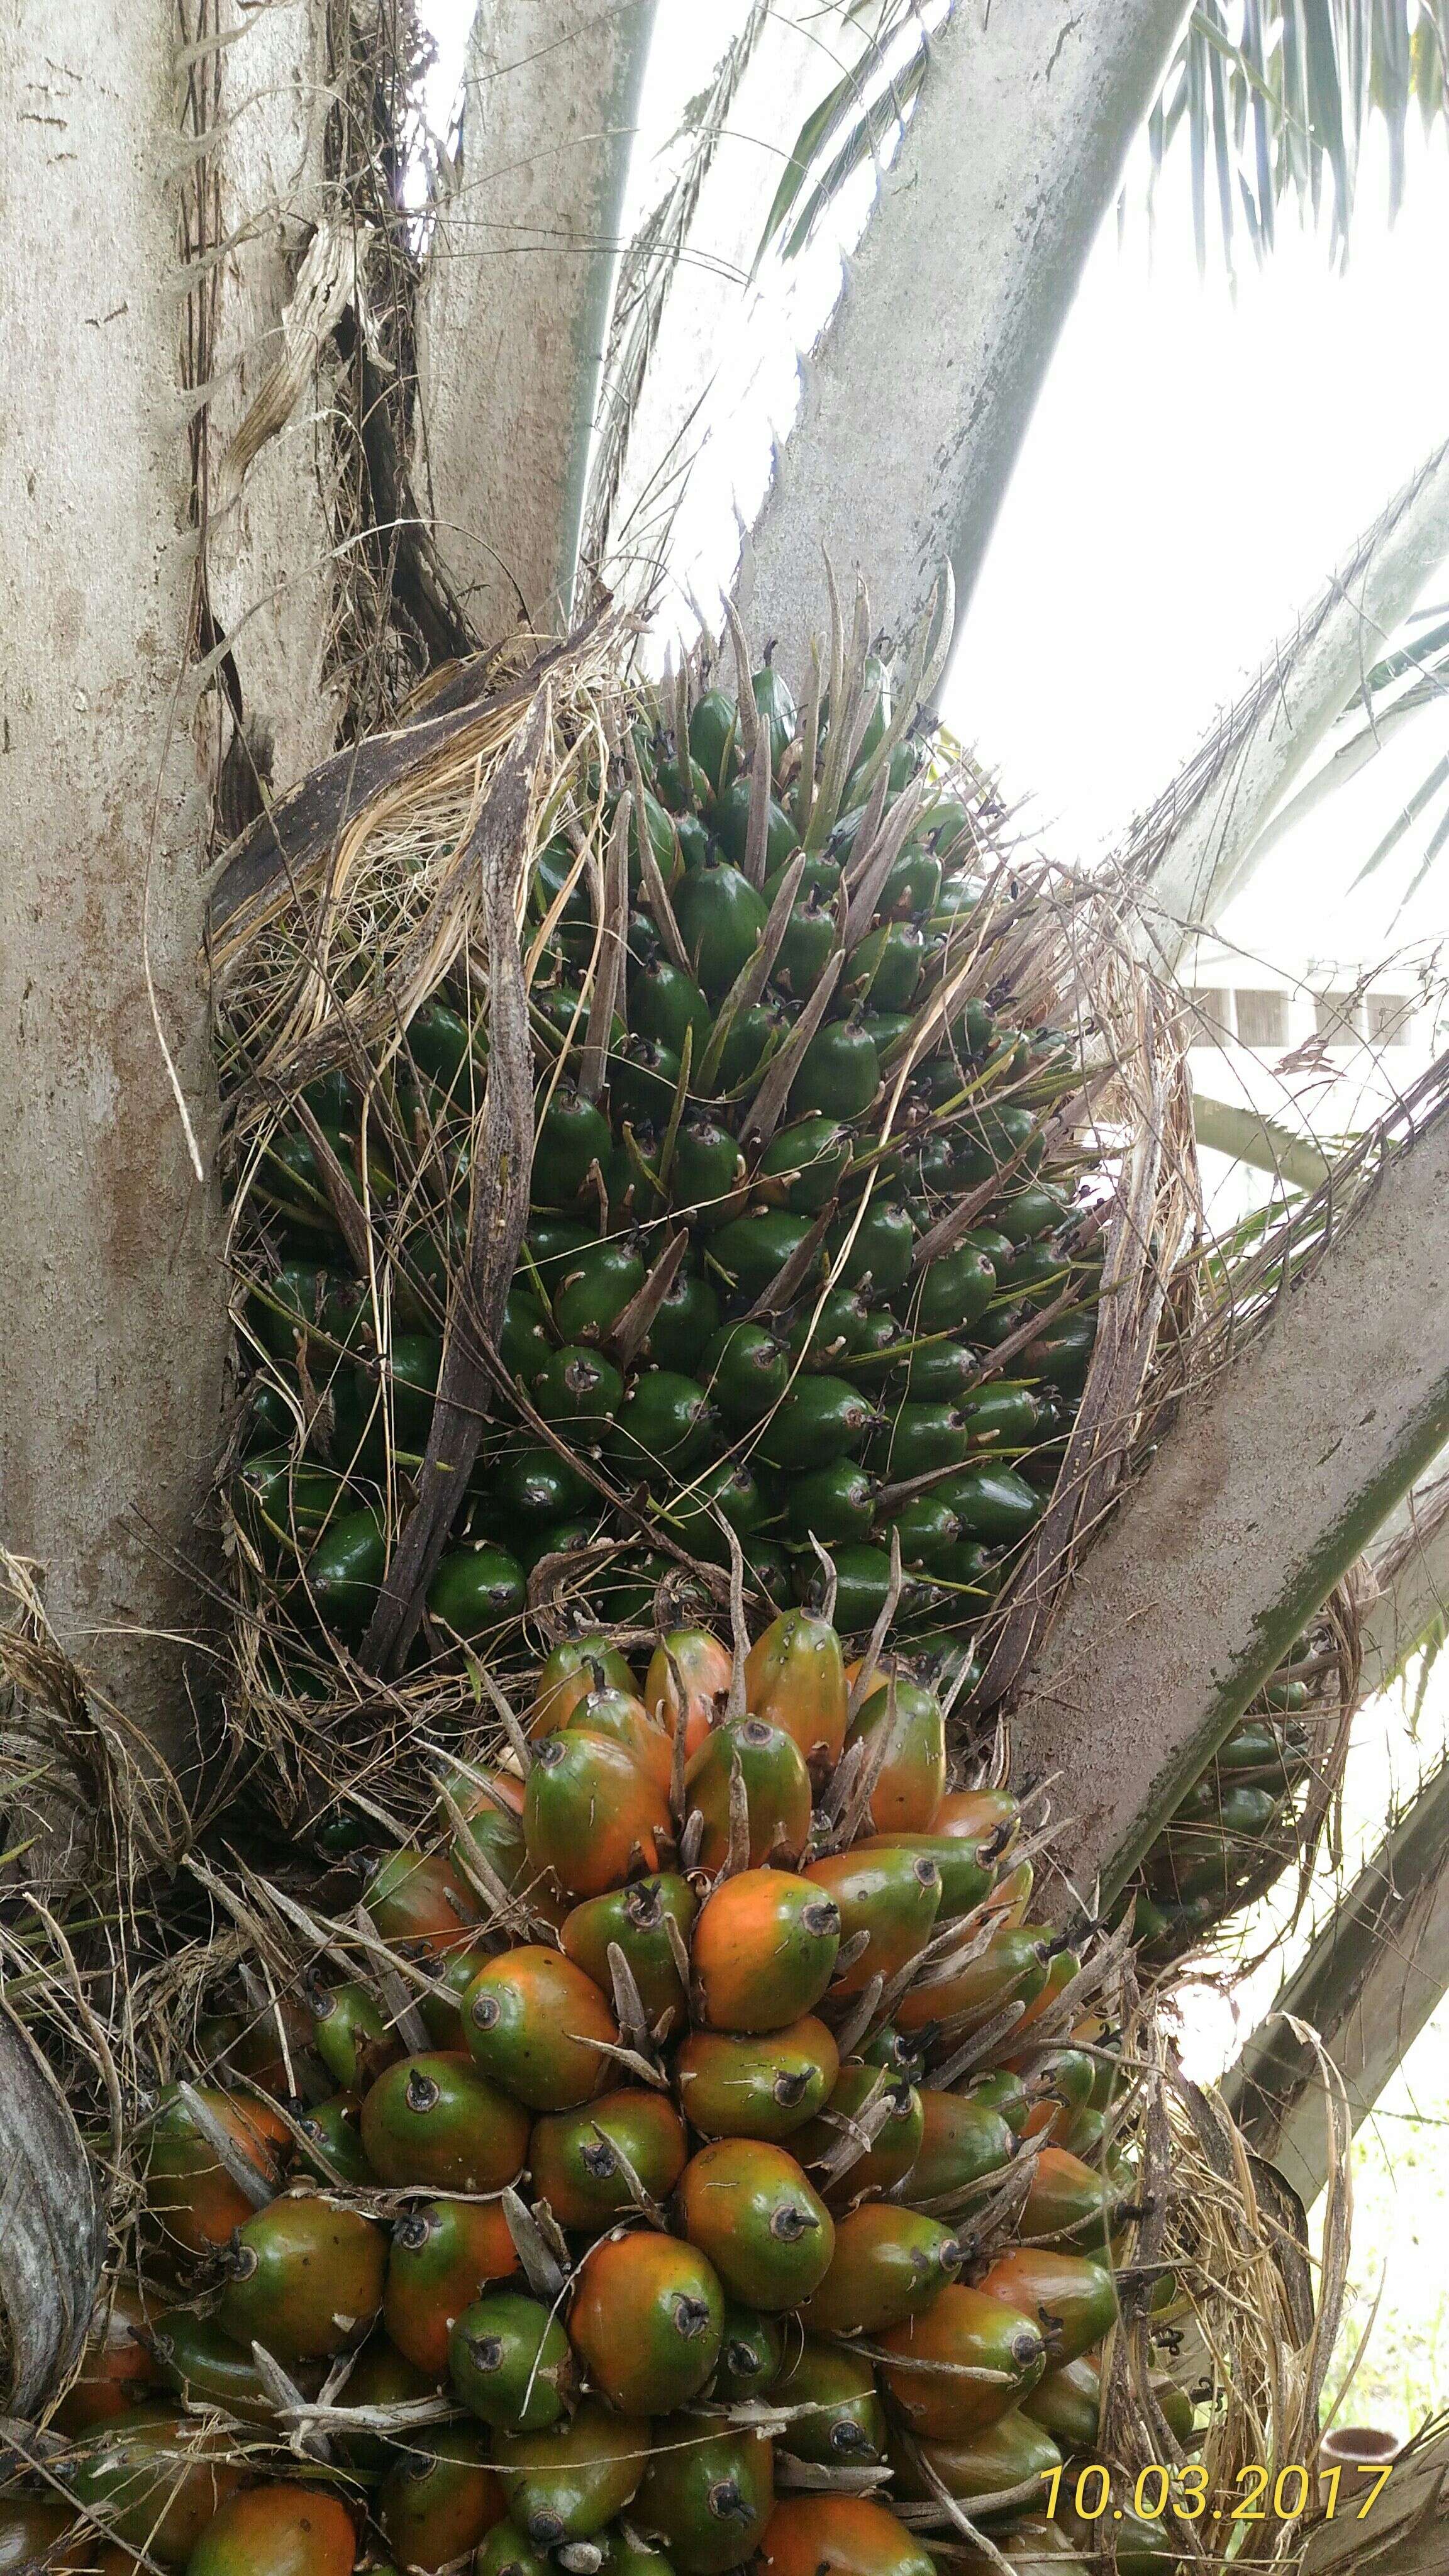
pixel 1198 462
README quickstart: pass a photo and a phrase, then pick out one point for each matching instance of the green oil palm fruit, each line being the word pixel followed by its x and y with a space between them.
pixel 839 1073
pixel 745 1370
pixel 892 1896
pixel 440 2497
pixel 435 2121
pixel 822 1419
pixel 595 1288
pixel 713 728
pixel 834 1504
pixel 765 1944
pixel 889 2264
pixel 1002 2458
pixel 1067 2403
pixel 572 1136
pixel 864 2095
pixel 911 1781
pixel 751 1250
pixel 710 2497
pixel 345 1569
pixel 205 2367
pixel 954 1291
pixel 826 1329
pixel 802 1166
pixel 582 2160
pixel 664 1422
pixel 721 918
pixel 807 945
pixel 351 2034
pixel 578 1390
pixel 476 1590
pixel 638 1919
pixel 335 2152
pixel 568 2482
pixel 511 2362
pixel 992 1503
pixel 932 2354
pixel 927 1528
pixel 648 2321
pixel 837 2417
pixel 775 1785
pixel 768 2086
pixel 748 2207
pixel 726 1496
pixel 966 2145
pixel 863 1584
pixel 588 1810
pixel 875 1244
pixel 304 2278
pixel 506 2552
pixel 915 1439
pixel 155 2477
pixel 684 1325
pixel 539 2027
pixel 278 2530
pixel 884 971
pixel 751 2355
pixel 442 2254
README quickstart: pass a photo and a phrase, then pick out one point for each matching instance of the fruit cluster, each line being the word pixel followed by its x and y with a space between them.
pixel 803 1261
pixel 707 2150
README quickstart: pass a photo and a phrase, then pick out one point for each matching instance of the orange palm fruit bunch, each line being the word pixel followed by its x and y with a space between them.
pixel 741 2161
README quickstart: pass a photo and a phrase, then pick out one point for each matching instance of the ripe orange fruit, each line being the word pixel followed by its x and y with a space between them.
pixel 590 1814
pixel 441 2254
pixel 306 2279
pixel 703 1667
pixel 193 2197
pixel 575 2156
pixel 648 2321
pixel 795 1679
pixel 843 2535
pixel 764 1950
pixel 889 2264
pixel 540 2028
pixel 768 2234
pixel 417 1900
pixel 963 2330
pixel 436 2120
pixel 280 2530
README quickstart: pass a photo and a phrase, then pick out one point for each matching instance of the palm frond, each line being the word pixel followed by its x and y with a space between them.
pixel 856 118
pixel 1277 97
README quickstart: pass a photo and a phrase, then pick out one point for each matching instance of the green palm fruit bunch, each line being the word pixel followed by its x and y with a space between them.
pixel 804 1264
pixel 708 2163
pixel 1250 1815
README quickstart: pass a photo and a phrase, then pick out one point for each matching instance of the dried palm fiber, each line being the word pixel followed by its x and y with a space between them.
pixel 479 857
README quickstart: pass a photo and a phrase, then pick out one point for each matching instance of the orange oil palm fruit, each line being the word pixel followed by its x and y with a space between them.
pixel 578 1666
pixel 1068 2204
pixel 590 1814
pixel 691 1660
pixel 962 2331
pixel 417 1900
pixel 795 1679
pixel 436 2121
pixel 441 2254
pixel 380 2376
pixel 278 2530
pixel 647 2321
pixel 191 2195
pixel 511 2362
pixel 39 2532
pixel 577 2157
pixel 892 1896
pixel 911 1782
pixel 766 2085
pixel 764 1950
pixel 626 1720
pixel 844 2535
pixel 844 2423
pixel 1070 2298
pixel 750 2209
pixel 118 2368
pixel 539 2028
pixel 1011 1969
